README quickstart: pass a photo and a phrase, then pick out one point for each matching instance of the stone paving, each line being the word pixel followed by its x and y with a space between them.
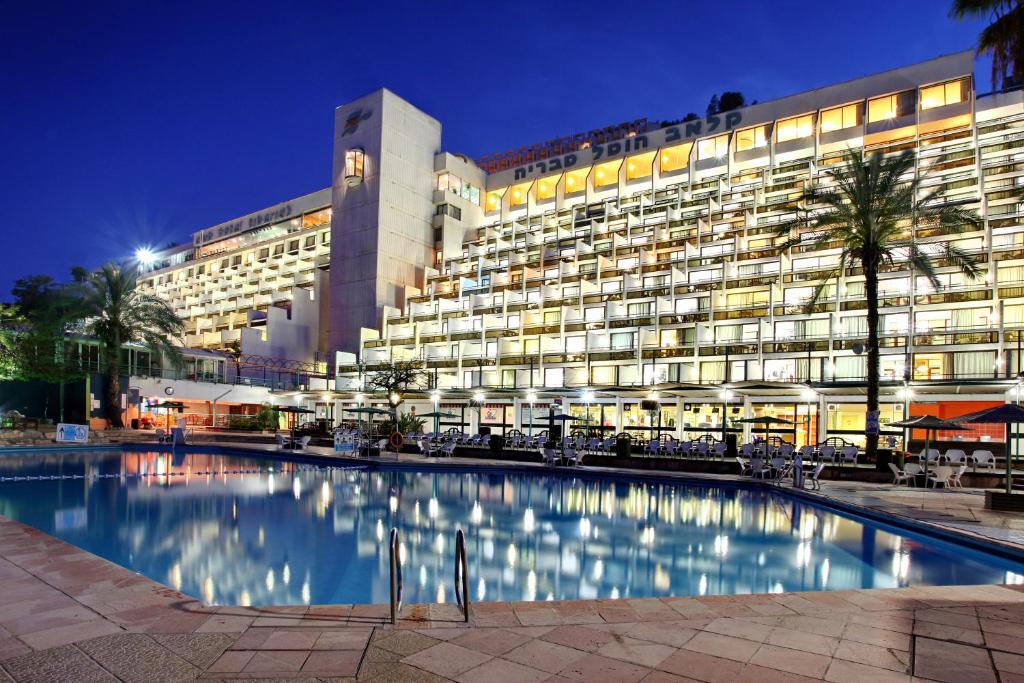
pixel 67 615
pixel 70 616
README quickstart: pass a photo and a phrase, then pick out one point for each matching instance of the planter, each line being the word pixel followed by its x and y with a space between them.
pixel 1012 502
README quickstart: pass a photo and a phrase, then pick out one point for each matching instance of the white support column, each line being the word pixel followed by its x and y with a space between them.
pixel 679 419
pixel 517 413
pixel 618 415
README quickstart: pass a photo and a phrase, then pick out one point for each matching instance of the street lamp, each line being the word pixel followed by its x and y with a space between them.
pixel 145 256
pixel 726 396
pixel 531 397
pixel 435 398
pixel 906 393
pixel 478 401
pixel 809 396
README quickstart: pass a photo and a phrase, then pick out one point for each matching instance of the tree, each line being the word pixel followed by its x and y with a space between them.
pixel 692 116
pixel 117 313
pixel 1003 38
pixel 394 379
pixel 713 105
pixel 871 208
pixel 727 101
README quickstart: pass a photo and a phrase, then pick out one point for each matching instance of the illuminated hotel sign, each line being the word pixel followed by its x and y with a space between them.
pixel 669 135
pixel 273 214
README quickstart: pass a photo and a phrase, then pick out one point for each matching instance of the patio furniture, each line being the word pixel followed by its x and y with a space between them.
pixel 983 458
pixel 653 447
pixel 786 450
pixel 744 466
pixel 758 468
pixel 913 471
pixel 899 476
pixel 282 440
pixel 955 456
pixel 719 450
pixel 827 452
pixel 849 454
pixel 807 453
pixel 572 456
pixel 955 479
pixel 940 474
pixel 815 477
pixel 161 435
pixel 932 455
pixel 303 442
pixel 702 448
pixel 550 456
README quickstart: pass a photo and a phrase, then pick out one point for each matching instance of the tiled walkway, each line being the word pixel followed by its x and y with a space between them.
pixel 67 615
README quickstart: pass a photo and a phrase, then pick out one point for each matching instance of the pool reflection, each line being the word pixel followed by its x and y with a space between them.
pixel 239 531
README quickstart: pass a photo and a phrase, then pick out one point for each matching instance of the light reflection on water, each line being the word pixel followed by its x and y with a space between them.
pixel 239 531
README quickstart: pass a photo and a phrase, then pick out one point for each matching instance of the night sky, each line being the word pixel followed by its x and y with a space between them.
pixel 136 123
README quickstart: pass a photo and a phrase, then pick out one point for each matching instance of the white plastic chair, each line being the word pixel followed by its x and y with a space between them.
pixel 849 454
pixel 786 450
pixel 898 475
pixel 757 467
pixel 702 449
pixel 940 475
pixel 815 477
pixel 282 442
pixel 984 458
pixel 161 435
pixel 550 456
pixel 955 479
pixel 744 466
pixel 955 456
pixel 932 455
pixel 572 456
pixel 303 442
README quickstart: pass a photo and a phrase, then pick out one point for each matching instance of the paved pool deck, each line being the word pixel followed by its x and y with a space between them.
pixel 67 615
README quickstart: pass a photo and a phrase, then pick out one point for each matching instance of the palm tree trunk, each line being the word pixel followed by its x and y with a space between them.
pixel 871 291
pixel 114 391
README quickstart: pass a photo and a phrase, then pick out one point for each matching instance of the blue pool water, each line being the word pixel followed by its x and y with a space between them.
pixel 234 530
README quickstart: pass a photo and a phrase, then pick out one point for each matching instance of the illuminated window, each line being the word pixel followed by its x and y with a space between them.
pixel 640 166
pixel 749 138
pixel 576 181
pixel 794 128
pixel 942 94
pixel 546 188
pixel 494 200
pixel 442 182
pixel 713 148
pixel 354 160
pixel 891 106
pixel 606 174
pixel 321 217
pixel 674 158
pixel 519 193
pixel 839 118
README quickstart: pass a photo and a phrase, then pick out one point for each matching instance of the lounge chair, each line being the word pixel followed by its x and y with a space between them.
pixel 899 476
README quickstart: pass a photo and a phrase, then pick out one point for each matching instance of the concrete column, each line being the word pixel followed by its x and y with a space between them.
pixel 618 415
pixel 679 419
pixel 517 417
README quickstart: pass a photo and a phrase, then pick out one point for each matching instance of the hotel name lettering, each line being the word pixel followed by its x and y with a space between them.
pixel 247 223
pixel 678 133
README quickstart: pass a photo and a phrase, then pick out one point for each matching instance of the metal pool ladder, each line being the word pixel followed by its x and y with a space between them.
pixel 396 575
pixel 461 574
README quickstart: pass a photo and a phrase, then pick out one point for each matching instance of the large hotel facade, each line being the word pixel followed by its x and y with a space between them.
pixel 599 272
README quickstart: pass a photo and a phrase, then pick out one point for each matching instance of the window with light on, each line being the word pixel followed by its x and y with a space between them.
pixel 795 128
pixel 942 94
pixel 354 161
pixel 839 118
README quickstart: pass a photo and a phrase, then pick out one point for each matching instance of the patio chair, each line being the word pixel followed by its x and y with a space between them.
pixel 671 448
pixel 899 476
pixel 282 440
pixel 747 450
pixel 608 445
pixel 593 444
pixel 779 468
pixel 912 469
pixel 955 456
pixel 786 450
pixel 572 456
pixel 303 442
pixel 653 447
pixel 719 450
pixel 758 468
pixel 941 474
pixel 449 449
pixel 814 479
pixel 702 449
pixel 827 452
pixel 849 455
pixel 983 458
pixel 744 466
pixel 932 454
pixel 955 479
pixel 807 453
pixel 549 455
pixel 161 435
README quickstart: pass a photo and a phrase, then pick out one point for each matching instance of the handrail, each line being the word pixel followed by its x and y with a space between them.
pixel 396 575
pixel 461 574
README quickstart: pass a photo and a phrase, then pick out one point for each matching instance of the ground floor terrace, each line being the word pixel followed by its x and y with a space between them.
pixel 69 615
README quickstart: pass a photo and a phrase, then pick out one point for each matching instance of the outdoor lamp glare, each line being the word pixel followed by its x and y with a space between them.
pixel 359 398
pixel 726 394
pixel 809 395
pixel 478 397
pixel 532 397
pixel 587 396
pixel 435 396
pixel 394 397
pixel 144 256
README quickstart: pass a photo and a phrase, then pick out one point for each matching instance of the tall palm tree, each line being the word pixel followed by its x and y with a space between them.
pixel 870 208
pixel 1003 38
pixel 117 313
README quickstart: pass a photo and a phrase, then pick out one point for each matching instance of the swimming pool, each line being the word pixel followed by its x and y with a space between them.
pixel 239 530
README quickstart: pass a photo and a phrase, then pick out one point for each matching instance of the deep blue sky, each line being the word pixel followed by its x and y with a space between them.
pixel 133 123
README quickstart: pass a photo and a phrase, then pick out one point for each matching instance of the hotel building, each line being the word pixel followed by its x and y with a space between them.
pixel 631 263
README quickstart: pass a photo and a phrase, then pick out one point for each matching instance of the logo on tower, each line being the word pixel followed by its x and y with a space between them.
pixel 354 119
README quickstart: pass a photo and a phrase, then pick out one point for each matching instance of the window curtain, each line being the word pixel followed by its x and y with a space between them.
pixel 973 364
pixel 851 367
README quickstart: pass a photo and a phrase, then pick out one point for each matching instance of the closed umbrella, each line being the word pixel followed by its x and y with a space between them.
pixel 1006 414
pixel 928 423
pixel 437 415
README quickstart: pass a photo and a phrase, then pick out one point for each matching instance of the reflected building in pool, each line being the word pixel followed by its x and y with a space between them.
pixel 235 531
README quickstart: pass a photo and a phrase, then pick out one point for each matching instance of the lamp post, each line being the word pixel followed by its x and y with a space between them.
pixel 588 398
pixel 726 396
pixel 809 396
pixel 435 398
pixel 531 397
pixel 394 399
pixel 478 401
pixel 906 393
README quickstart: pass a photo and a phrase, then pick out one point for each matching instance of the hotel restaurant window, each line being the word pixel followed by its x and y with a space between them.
pixel 713 148
pixel 794 128
pixel 839 118
pixel 942 94
pixel 750 138
pixel 890 106
pixel 354 160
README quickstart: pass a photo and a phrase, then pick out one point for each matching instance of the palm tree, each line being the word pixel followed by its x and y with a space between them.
pixel 1003 38
pixel 117 313
pixel 870 209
